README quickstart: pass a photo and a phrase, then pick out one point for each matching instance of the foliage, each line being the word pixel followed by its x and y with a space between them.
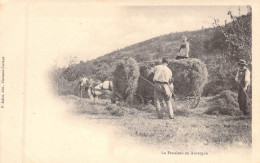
pixel 62 86
pixel 101 70
pixel 228 44
pixel 71 72
pixel 125 79
pixel 238 36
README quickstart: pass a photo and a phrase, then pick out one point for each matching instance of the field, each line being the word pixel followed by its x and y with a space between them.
pixel 191 129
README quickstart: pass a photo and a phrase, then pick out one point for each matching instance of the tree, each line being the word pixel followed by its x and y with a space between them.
pixel 238 36
pixel 71 73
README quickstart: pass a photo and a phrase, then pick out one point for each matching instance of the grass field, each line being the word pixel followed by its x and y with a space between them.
pixel 190 129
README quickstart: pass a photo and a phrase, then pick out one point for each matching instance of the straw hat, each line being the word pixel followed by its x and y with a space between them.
pixel 242 62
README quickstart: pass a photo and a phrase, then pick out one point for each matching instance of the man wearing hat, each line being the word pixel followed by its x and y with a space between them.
pixel 162 90
pixel 184 49
pixel 243 78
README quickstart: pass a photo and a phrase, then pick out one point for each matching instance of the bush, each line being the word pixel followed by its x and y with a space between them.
pixel 224 103
pixel 125 79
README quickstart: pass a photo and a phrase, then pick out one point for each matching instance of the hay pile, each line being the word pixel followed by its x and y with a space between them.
pixel 125 79
pixel 120 110
pixel 189 75
pixel 145 89
pixel 224 103
pixel 213 88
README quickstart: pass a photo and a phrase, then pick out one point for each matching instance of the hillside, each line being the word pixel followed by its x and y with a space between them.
pixel 155 48
pixel 210 45
pixel 162 46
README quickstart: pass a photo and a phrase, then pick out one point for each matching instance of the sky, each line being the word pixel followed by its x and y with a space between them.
pixel 89 30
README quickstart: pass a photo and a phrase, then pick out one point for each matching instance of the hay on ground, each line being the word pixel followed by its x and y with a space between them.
pixel 213 88
pixel 224 103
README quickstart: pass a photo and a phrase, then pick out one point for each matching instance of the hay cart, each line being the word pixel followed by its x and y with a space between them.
pixel 190 75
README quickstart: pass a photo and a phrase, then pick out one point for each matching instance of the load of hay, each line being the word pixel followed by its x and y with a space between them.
pixel 190 75
pixel 224 103
pixel 125 79
pixel 145 89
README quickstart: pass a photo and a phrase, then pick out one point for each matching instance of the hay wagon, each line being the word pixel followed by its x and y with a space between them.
pixel 190 76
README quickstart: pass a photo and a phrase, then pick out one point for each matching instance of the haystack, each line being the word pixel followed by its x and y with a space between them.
pixel 224 103
pixel 145 89
pixel 125 79
pixel 190 75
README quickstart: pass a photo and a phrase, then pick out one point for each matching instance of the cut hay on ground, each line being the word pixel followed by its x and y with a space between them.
pixel 125 79
pixel 224 104
pixel 190 75
pixel 213 88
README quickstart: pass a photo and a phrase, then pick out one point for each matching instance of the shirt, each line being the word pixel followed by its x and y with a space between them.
pixel 162 73
pixel 184 49
pixel 239 75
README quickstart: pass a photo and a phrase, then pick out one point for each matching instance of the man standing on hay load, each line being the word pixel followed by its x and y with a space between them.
pixel 162 91
pixel 243 78
pixel 184 49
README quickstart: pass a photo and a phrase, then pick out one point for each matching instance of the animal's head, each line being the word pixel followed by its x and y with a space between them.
pixel 83 81
pixel 89 82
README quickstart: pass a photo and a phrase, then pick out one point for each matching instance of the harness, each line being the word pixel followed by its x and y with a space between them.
pixel 101 85
pixel 110 86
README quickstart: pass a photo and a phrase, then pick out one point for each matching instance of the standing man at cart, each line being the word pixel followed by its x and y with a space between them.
pixel 162 78
pixel 243 79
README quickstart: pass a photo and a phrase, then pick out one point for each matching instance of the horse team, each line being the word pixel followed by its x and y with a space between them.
pixel 95 89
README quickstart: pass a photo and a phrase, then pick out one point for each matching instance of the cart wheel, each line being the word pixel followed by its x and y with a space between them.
pixel 138 99
pixel 196 100
pixel 189 101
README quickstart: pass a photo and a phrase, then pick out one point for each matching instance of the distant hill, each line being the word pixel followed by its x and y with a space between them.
pixel 162 46
pixel 153 49
pixel 210 45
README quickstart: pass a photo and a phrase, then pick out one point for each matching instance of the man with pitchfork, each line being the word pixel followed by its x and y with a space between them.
pixel 162 87
pixel 243 79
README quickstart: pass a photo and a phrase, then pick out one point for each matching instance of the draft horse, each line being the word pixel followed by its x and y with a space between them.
pixel 98 88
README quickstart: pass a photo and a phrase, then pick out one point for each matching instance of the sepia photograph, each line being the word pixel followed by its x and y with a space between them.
pixel 89 81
